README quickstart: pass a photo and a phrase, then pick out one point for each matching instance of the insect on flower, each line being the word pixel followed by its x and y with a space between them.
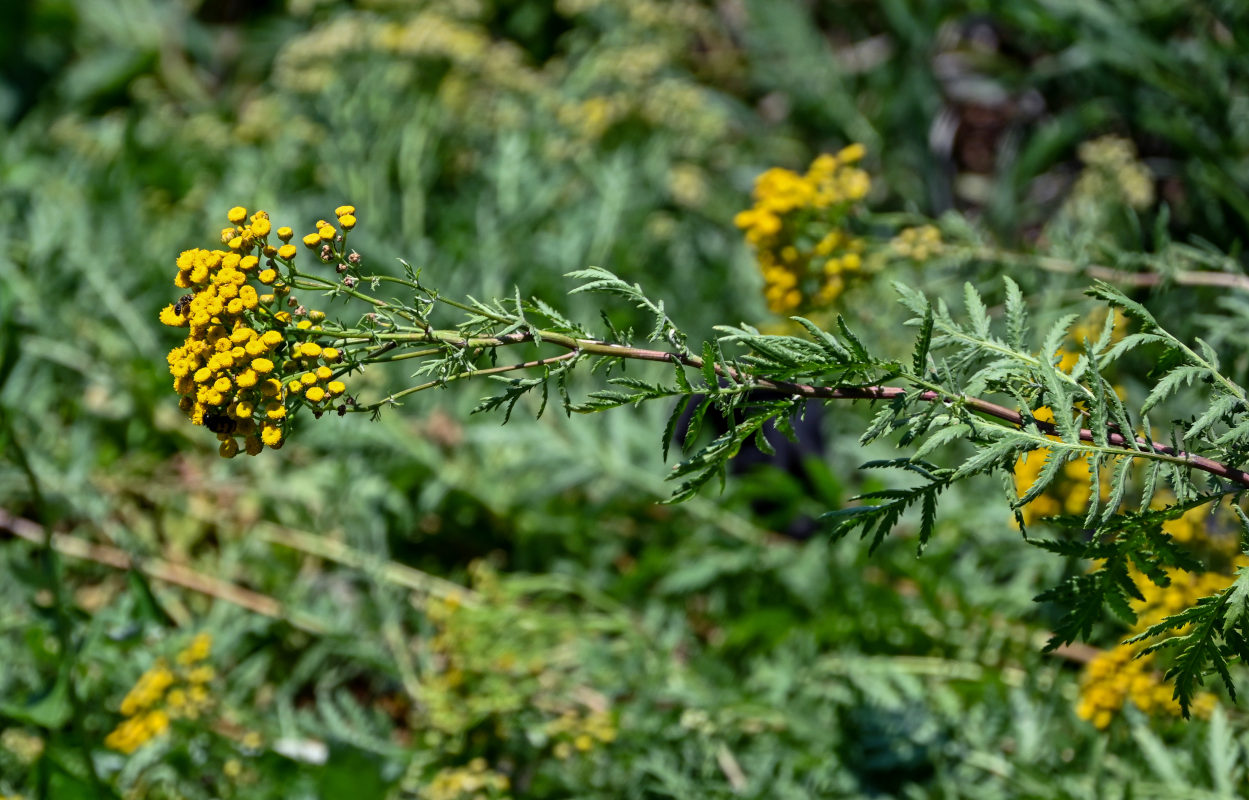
pixel 220 423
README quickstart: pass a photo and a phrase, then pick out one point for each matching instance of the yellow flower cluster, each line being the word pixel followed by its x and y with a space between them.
pixel 1113 169
pixel 797 227
pixel 475 780
pixel 1120 675
pixel 163 694
pixel 25 747
pixel 918 244
pixel 230 370
pixel 575 732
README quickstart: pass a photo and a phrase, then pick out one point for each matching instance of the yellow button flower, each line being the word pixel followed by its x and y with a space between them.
pixel 236 214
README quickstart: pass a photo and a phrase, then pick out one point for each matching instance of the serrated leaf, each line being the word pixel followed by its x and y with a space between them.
pixel 674 419
pixel 709 366
pixel 919 359
pixel 1016 315
pixel 1112 295
pixel 1129 343
pixel 942 437
pixel 1055 336
pixel 1220 408
pixel 1171 383
pixel 984 458
pixel 826 341
pixel 1054 460
pixel 1119 480
pixel 976 311
pixel 856 347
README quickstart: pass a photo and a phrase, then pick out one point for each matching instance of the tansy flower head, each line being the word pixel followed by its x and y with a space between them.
pixel 227 370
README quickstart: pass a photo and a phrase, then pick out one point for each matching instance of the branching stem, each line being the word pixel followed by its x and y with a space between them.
pixel 1136 447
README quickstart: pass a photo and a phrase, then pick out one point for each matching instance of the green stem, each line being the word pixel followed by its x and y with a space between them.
pixel 472 373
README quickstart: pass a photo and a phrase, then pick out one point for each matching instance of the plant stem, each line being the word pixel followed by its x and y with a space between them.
pixel 1136 446
pixel 1062 266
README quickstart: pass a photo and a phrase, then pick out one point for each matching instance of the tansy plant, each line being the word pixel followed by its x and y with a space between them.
pixel 990 395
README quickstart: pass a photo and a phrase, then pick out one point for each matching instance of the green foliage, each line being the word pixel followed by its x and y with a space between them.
pixel 512 144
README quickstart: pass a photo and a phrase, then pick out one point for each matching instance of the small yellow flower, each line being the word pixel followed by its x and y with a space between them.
pixel 851 153
pixel 335 388
pixel 285 233
pixel 236 214
pixel 286 251
pixel 268 276
pixel 348 221
pixel 261 227
pixel 330 354
pixel 312 240
pixel 263 366
pixel 343 211
pixel 202 674
pixel 310 349
pixel 326 232
pixel 308 378
pixel 324 373
pixel 271 435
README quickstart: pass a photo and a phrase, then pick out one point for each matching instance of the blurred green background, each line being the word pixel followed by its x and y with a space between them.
pixel 434 605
